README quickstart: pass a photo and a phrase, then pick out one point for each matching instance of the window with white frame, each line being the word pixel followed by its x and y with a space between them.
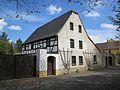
pixel 71 43
pixel 73 60
pixel 71 26
pixel 80 60
pixel 80 44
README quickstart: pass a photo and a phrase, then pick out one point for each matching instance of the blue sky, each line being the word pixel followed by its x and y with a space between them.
pixel 96 22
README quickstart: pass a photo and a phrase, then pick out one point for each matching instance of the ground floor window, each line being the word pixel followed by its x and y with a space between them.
pixel 118 58
pixel 73 60
pixel 95 59
pixel 119 61
pixel 80 60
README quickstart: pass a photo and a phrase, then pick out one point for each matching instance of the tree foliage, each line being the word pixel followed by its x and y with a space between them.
pixel 34 6
pixel 7 47
pixel 4 37
pixel 21 7
pixel 116 19
pixel 18 46
pixel 4 44
pixel 29 7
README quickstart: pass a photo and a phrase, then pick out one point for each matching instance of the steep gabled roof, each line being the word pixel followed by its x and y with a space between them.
pixel 49 29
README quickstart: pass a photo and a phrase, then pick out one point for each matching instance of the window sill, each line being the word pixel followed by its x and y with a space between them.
pixel 73 65
pixel 94 63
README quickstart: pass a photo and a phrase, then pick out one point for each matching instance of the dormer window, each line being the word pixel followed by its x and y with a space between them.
pixel 71 26
pixel 80 28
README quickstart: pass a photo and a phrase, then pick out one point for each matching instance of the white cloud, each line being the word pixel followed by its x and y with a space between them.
pixel 10 41
pixel 53 9
pixel 107 26
pixel 2 24
pixel 91 14
pixel 97 39
pixel 15 27
pixel 99 36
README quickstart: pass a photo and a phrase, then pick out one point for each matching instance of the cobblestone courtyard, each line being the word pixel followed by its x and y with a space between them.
pixel 106 79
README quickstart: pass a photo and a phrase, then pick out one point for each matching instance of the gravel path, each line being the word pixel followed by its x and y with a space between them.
pixel 106 79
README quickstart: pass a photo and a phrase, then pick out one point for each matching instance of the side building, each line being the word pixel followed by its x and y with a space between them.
pixel 111 52
pixel 63 46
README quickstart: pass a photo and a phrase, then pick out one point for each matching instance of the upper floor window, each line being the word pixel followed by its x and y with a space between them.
pixel 80 60
pixel 71 43
pixel 73 60
pixel 71 26
pixel 32 45
pixel 23 47
pixel 44 43
pixel 80 44
pixel 109 51
pixel 52 45
pixel 80 28
pixel 27 47
pixel 95 59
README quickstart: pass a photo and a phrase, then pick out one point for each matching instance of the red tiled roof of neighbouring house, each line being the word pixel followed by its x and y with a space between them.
pixel 109 45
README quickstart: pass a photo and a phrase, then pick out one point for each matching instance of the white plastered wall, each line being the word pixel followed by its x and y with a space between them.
pixel 64 36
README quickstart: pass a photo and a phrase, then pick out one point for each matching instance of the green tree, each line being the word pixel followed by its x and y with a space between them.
pixel 12 48
pixel 18 46
pixel 4 44
pixel 116 19
pixel 4 37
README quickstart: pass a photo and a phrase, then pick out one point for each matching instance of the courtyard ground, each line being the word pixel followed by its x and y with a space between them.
pixel 105 79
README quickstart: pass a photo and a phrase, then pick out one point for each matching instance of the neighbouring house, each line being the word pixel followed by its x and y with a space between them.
pixel 63 46
pixel 111 52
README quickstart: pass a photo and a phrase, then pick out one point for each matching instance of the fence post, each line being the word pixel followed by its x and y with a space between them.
pixel 14 73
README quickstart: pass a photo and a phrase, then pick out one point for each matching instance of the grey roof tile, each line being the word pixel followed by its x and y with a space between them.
pixel 49 29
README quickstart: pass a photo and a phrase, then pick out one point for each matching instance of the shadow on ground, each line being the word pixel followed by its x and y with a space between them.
pixel 107 79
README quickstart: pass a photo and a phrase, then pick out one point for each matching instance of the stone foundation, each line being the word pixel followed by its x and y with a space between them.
pixel 42 73
pixel 73 70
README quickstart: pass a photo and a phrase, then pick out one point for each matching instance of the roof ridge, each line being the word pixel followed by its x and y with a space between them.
pixel 55 19
pixel 109 42
pixel 50 28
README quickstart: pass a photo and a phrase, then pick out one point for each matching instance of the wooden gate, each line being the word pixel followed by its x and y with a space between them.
pixel 17 66
pixel 25 66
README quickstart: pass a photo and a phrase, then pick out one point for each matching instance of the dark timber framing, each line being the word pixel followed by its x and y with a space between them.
pixel 50 43
pixel 45 32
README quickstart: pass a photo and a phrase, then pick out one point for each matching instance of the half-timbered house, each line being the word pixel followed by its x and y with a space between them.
pixel 64 46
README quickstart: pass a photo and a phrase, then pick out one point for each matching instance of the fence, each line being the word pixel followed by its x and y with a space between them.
pixel 17 66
